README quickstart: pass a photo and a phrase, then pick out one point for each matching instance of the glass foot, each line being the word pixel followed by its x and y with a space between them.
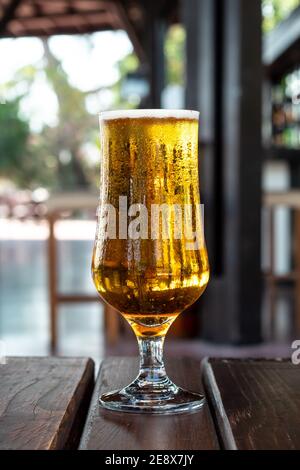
pixel 142 399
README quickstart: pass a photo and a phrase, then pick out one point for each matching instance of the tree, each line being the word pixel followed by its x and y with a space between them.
pixel 55 156
pixel 20 159
pixel 13 130
pixel 128 64
pixel 14 134
pixel 74 124
pixel 174 53
pixel 274 11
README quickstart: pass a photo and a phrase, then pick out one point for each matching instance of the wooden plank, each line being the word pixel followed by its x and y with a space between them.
pixel 110 430
pixel 16 30
pixel 8 13
pixel 44 402
pixel 256 403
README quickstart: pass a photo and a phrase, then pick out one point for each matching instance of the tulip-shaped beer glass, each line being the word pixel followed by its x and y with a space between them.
pixel 150 260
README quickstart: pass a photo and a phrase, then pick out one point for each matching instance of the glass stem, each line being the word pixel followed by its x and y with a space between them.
pixel 152 369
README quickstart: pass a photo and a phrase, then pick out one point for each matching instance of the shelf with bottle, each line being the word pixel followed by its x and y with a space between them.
pixel 286 111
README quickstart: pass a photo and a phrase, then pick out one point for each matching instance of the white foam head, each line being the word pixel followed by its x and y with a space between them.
pixel 150 113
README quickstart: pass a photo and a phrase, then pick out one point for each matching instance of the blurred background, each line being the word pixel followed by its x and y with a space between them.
pixel 63 61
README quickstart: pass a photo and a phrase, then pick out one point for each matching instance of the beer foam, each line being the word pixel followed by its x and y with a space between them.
pixel 150 113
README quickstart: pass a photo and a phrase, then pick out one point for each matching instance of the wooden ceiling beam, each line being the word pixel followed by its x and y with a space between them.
pixel 59 20
pixel 49 17
pixel 79 5
pixel 9 13
pixel 119 11
pixel 55 31
pixel 60 15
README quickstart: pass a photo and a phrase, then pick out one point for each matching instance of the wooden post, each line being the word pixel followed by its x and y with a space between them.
pixel 52 282
pixel 153 45
pixel 224 81
pixel 272 274
pixel 112 324
pixel 242 157
pixel 203 94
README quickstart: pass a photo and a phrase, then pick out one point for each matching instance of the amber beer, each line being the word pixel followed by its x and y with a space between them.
pixel 153 161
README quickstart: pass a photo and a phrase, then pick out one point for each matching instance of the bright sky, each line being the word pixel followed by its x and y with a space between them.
pixel 90 63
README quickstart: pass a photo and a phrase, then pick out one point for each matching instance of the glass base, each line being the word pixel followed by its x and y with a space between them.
pixel 136 398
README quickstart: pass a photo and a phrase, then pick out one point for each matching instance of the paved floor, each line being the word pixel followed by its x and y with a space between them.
pixel 24 302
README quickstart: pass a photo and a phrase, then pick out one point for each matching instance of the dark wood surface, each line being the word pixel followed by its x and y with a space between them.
pixel 251 404
pixel 256 403
pixel 110 430
pixel 44 402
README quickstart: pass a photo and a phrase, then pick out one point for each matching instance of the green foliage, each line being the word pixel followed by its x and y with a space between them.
pixel 174 54
pixel 274 11
pixel 125 66
pixel 20 159
pixel 74 127
pixel 128 64
pixel 55 157
pixel 14 133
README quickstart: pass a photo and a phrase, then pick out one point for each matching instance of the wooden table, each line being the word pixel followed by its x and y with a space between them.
pixel 43 402
pixel 122 431
pixel 251 404
pixel 256 403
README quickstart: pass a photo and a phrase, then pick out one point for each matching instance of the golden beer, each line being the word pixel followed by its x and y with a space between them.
pixel 153 161
pixel 149 258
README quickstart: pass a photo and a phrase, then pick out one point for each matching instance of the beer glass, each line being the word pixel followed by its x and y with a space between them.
pixel 150 260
